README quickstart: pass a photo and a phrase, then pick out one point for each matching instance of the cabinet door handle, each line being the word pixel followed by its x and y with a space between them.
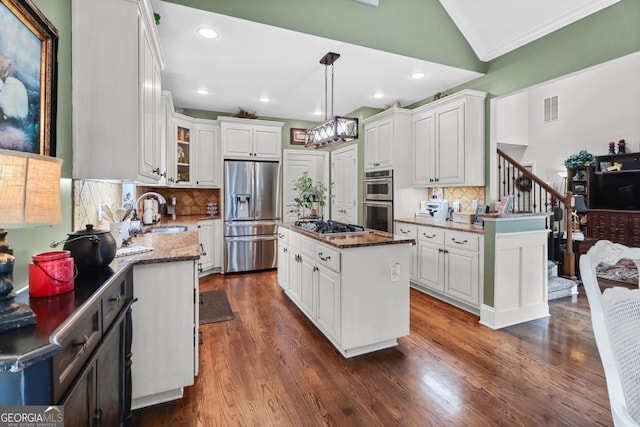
pixel 315 268
pixel 200 339
pixel 440 250
pixel 458 242
pixel 405 231
pixel 429 237
pixel 156 171
pixel 117 300
pixel 84 344
pixel 285 250
pixel 281 236
pixel 327 258
pixel 202 251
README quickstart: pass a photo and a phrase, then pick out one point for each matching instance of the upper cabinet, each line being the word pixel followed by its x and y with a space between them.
pixel 448 141
pixel 384 133
pixel 194 153
pixel 117 106
pixel 250 138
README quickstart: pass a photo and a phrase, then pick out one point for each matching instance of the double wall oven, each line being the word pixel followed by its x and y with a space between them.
pixel 378 200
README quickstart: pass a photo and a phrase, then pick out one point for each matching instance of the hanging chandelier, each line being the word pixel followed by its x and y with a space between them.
pixel 337 128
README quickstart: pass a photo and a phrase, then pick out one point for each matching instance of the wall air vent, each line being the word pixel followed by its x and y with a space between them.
pixel 551 109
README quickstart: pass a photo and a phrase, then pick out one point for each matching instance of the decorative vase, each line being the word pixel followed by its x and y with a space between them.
pixel 621 147
pixel 612 148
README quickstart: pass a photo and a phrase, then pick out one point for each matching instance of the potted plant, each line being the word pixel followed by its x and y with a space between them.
pixel 246 114
pixel 311 197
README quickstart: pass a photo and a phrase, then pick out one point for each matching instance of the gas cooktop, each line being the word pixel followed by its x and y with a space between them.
pixel 330 227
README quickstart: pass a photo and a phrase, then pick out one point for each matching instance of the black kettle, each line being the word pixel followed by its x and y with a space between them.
pixel 90 248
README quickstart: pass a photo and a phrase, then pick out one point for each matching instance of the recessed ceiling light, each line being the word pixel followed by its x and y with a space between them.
pixel 208 33
pixel 417 75
pixel 264 99
pixel 202 92
pixel 378 95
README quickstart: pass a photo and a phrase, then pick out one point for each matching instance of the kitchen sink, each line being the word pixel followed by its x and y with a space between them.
pixel 167 229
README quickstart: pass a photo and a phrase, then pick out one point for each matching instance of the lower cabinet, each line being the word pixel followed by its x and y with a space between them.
pixel 618 226
pixel 165 347
pixel 449 265
pixel 410 231
pixel 95 397
pixel 210 238
pixel 283 258
pixel 357 297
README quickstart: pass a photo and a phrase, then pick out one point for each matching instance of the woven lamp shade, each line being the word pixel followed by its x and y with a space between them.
pixel 29 189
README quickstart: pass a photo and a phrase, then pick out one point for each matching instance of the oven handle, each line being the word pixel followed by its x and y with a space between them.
pixel 369 202
pixel 378 180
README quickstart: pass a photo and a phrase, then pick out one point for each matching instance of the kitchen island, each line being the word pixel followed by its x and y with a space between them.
pixel 353 287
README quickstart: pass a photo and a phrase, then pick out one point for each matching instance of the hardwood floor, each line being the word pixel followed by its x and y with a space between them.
pixel 271 367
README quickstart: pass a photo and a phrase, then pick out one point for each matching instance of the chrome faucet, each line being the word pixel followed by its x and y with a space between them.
pixel 161 201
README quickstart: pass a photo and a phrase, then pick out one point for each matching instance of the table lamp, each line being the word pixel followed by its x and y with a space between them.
pixel 577 206
pixel 29 196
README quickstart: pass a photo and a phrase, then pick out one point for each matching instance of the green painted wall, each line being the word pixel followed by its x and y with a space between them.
pixel 29 241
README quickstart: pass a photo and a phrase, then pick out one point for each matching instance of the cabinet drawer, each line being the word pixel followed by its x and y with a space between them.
pixel 406 230
pixel 112 303
pixel 431 235
pixel 328 258
pixel 307 246
pixel 283 235
pixel 77 341
pixel 464 241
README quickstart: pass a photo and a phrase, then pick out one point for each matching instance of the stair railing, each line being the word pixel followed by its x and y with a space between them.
pixel 532 194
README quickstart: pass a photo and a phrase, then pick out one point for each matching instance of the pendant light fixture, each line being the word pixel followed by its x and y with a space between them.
pixel 337 128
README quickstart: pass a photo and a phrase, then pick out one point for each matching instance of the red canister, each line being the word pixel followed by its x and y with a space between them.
pixel 51 273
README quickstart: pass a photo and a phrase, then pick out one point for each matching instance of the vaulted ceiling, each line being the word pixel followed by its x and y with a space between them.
pixel 250 60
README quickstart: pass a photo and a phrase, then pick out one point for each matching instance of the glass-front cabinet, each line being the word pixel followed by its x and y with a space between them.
pixel 183 151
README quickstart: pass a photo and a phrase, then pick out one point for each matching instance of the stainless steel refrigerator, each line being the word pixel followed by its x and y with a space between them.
pixel 251 215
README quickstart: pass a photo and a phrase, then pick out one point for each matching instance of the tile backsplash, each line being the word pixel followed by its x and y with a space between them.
pixel 465 194
pixel 89 195
pixel 189 201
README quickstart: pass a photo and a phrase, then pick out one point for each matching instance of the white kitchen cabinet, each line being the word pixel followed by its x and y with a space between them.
pixel 382 133
pixel 450 265
pixel 410 231
pixel 206 159
pixel 431 258
pixel 165 326
pixel 195 153
pixel 283 258
pixel 448 141
pixel 117 107
pixel 250 138
pixel 359 309
pixel 210 238
pixel 182 149
pixel 167 143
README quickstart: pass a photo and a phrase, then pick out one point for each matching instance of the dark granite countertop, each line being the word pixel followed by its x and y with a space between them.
pixel 371 238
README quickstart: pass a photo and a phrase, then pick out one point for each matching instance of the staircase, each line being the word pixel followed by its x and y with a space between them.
pixel 531 194
pixel 558 287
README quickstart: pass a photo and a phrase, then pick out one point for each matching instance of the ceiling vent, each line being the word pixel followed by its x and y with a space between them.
pixel 551 109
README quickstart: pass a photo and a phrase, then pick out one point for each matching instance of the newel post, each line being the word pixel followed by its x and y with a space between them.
pixel 569 256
